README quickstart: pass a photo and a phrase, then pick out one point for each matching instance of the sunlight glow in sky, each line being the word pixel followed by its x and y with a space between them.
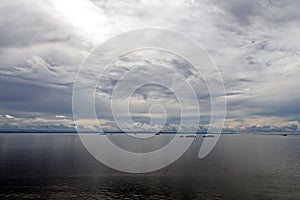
pixel 255 44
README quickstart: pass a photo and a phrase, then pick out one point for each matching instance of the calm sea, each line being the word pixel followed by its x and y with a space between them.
pixel 44 166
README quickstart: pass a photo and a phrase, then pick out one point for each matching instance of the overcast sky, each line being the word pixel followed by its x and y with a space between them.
pixel 255 44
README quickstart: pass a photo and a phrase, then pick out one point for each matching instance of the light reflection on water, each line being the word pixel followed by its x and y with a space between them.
pixel 239 167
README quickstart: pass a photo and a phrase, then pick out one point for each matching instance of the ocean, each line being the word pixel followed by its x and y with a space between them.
pixel 241 166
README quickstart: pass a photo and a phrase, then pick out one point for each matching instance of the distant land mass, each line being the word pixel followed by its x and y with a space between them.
pixel 142 132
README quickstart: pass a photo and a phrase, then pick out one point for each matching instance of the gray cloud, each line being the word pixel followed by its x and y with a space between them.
pixel 254 43
pixel 28 22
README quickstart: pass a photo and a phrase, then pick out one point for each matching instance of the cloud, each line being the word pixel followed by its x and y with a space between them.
pixel 60 116
pixel 9 116
pixel 36 125
pixel 254 43
pixel 33 23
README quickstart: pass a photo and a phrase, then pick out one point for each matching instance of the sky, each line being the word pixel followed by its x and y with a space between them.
pixel 255 44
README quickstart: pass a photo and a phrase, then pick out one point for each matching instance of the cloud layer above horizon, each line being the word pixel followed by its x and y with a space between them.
pixel 255 45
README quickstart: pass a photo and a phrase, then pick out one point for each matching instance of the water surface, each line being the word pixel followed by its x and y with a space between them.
pixel 239 167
